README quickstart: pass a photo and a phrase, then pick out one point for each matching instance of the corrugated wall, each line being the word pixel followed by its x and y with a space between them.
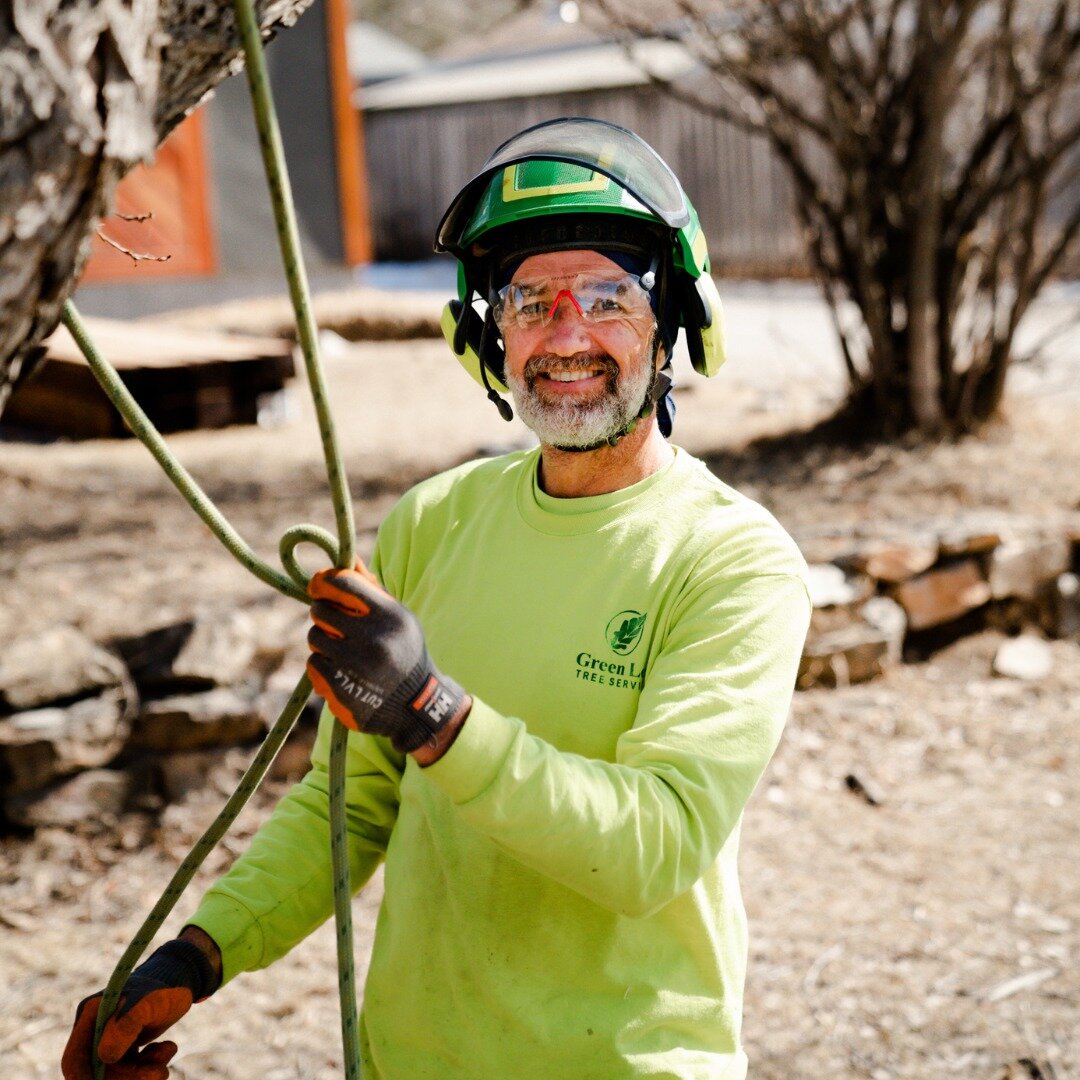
pixel 418 159
pixel 299 73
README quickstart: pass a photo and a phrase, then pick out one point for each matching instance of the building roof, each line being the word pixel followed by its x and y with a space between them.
pixel 376 55
pixel 588 65
pixel 547 25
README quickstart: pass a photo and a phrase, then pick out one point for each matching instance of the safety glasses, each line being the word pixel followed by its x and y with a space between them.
pixel 530 304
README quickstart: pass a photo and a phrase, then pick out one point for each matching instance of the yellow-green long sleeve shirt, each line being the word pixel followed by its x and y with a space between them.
pixel 561 893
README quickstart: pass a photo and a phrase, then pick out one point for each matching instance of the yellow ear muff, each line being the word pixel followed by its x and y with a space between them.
pixel 712 351
pixel 468 359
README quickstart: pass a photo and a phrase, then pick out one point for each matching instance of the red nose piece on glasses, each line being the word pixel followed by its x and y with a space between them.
pixel 555 303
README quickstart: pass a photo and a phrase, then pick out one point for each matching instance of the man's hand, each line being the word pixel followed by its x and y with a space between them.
pixel 157 993
pixel 371 664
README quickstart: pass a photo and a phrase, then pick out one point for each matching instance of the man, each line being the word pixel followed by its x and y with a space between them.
pixel 565 674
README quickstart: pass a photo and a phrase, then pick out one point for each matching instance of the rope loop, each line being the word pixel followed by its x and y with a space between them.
pixel 305 534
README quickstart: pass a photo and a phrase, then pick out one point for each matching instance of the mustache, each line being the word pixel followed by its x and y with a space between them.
pixel 543 363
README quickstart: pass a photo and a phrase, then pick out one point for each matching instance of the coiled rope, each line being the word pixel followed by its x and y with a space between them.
pixel 293 583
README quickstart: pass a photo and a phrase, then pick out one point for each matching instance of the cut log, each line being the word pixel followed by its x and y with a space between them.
pixel 183 379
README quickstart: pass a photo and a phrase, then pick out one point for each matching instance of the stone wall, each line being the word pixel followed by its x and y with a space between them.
pixel 878 602
pixel 90 729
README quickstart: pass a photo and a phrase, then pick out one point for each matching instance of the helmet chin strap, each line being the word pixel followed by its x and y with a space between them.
pixel 500 403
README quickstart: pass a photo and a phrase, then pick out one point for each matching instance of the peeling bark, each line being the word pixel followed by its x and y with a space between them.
pixel 88 89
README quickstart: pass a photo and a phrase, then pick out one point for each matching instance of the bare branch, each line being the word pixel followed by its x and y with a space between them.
pixel 923 139
pixel 135 256
pixel 1068 234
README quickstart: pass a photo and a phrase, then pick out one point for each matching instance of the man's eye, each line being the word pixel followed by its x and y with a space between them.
pixel 606 305
pixel 532 309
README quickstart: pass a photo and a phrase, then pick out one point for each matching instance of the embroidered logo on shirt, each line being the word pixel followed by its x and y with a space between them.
pixel 623 631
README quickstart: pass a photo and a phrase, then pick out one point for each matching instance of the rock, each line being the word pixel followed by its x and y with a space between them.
pixel 842 657
pixel 275 696
pixel 219 651
pixel 893 563
pixel 25 765
pixel 218 717
pixel 1026 657
pixel 213 649
pixel 958 542
pixel 40 745
pixel 1063 616
pixel 830 586
pixel 57 665
pixel 88 797
pixel 149 656
pixel 181 773
pixel 943 594
pixel 1023 568
pixel 887 617
pixel 1013 616
pixel 847 646
pixel 294 759
pixel 280 632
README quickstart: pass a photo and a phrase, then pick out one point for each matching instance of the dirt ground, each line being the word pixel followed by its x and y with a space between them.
pixel 931 936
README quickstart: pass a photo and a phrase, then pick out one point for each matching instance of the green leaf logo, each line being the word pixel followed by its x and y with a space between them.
pixel 624 631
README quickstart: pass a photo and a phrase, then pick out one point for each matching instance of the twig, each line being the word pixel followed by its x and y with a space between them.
pixel 1009 987
pixel 813 974
pixel 135 256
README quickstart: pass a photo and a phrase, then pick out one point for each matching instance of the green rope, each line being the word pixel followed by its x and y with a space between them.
pixel 289 236
pixel 195 857
pixel 197 499
pixel 342 552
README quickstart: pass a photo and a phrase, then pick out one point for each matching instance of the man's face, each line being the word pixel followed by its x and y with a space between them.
pixel 577 381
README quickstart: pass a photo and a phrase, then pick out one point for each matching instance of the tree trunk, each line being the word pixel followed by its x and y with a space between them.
pixel 924 371
pixel 88 88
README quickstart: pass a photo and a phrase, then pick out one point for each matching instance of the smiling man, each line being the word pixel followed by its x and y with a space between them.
pixel 563 677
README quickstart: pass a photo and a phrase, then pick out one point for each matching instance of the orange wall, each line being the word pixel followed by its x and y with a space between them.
pixel 175 190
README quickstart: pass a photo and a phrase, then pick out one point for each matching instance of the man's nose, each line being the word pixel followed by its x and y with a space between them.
pixel 566 332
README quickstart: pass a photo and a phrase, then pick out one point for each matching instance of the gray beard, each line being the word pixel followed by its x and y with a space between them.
pixel 576 424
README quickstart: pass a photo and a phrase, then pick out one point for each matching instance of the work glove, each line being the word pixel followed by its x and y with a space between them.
pixel 370 663
pixel 157 993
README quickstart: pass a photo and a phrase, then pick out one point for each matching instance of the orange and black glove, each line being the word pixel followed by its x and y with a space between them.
pixel 369 661
pixel 156 994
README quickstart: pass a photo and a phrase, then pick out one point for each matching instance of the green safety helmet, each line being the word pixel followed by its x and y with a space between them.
pixel 567 184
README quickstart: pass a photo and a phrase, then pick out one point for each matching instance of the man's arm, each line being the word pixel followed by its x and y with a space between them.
pixel 634 833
